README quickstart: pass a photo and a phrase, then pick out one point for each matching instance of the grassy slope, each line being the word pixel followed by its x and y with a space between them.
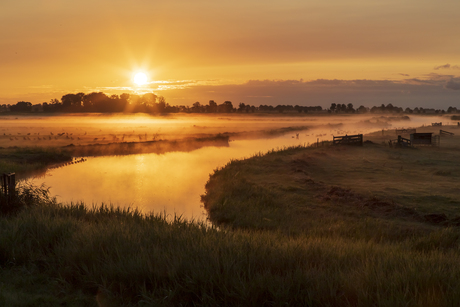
pixel 399 203
pixel 300 189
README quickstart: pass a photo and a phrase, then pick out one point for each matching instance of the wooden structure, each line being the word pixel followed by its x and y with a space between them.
pixel 403 142
pixel 400 142
pixel 356 139
pixel 444 132
pixel 8 188
pixel 421 138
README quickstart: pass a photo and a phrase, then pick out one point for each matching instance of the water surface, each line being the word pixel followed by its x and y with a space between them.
pixel 172 182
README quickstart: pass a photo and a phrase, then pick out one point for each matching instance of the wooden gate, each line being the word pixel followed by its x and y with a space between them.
pixel 348 140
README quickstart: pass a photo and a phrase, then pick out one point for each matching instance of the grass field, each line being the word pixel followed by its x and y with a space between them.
pixel 305 226
pixel 26 160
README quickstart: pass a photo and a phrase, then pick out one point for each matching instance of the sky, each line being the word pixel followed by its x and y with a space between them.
pixel 304 52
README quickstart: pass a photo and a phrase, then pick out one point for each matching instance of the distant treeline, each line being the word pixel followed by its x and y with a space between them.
pixel 151 103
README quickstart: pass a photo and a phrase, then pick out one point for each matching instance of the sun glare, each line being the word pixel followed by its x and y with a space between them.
pixel 140 78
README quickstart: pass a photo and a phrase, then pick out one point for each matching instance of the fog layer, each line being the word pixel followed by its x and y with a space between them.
pixel 172 180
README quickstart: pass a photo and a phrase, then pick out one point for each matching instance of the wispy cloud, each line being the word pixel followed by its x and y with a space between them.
pixel 445 66
pixel 405 75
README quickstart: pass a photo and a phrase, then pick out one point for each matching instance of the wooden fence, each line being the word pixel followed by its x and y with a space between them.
pixel 8 188
pixel 348 140
pixel 400 142
pixel 444 132
pixel 421 138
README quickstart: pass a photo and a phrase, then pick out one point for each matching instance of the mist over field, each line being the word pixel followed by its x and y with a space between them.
pixel 161 163
pixel 33 130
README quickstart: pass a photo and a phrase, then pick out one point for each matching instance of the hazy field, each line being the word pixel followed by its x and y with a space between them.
pixel 171 174
pixel 78 129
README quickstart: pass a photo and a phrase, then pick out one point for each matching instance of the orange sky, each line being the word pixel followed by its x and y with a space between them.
pixel 52 47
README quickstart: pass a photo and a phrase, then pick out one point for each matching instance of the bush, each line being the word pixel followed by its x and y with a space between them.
pixel 25 195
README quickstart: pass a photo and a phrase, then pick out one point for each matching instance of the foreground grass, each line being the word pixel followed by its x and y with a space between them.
pixel 53 255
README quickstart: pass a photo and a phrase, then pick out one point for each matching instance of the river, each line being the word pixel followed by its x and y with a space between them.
pixel 172 182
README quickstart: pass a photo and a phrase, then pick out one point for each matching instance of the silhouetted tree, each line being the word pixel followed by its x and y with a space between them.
pixel 161 104
pixel 96 102
pixel 196 107
pixel 362 109
pixel 72 102
pixel 350 108
pixel 212 107
pixel 21 106
pixel 452 110
pixel 226 107
pixel 333 107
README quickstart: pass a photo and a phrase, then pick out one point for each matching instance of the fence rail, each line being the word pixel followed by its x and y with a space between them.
pixel 444 132
pixel 348 140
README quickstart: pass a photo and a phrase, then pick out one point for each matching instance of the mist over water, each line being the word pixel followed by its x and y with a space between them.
pixel 172 182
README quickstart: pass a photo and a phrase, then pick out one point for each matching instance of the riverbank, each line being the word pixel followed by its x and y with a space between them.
pixel 389 216
pixel 294 188
pixel 25 160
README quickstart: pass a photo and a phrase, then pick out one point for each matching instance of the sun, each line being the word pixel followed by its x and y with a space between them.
pixel 140 78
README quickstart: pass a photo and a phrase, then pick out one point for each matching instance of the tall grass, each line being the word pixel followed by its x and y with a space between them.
pixel 109 256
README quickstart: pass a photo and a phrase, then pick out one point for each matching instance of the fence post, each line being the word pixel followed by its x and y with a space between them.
pixel 11 187
pixel 4 185
pixel 8 187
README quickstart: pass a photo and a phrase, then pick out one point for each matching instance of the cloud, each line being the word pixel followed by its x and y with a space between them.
pixel 452 85
pixel 433 90
pixel 430 90
pixel 446 66
pixel 405 75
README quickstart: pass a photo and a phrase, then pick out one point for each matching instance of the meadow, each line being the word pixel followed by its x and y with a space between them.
pixel 310 226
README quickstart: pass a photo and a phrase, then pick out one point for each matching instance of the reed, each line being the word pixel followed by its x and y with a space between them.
pixel 77 255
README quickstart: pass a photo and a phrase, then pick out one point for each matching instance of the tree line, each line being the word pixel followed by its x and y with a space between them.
pixel 389 108
pixel 151 103
pixel 146 103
